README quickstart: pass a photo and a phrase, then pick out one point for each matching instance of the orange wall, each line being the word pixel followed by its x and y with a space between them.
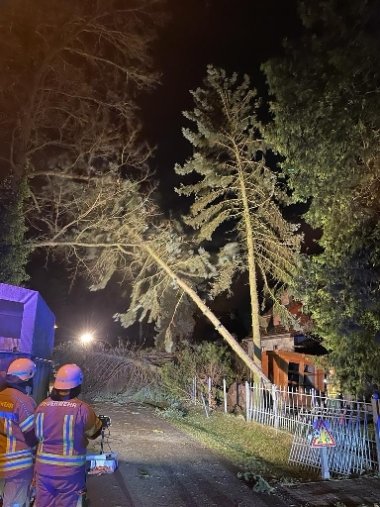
pixel 275 366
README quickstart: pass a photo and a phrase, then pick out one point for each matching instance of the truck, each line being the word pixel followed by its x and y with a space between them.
pixel 27 328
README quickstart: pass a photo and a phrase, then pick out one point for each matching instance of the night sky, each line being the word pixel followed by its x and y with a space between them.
pixel 237 35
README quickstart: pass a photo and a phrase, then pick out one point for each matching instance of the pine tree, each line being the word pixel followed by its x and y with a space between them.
pixel 235 186
pixel 110 227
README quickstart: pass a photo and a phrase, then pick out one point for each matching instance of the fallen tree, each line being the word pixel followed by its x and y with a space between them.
pixel 108 226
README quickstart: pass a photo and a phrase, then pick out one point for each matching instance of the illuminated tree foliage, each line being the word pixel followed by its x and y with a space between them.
pixel 235 186
pixel 71 74
pixel 175 321
pixel 326 111
pixel 110 226
pixel 74 73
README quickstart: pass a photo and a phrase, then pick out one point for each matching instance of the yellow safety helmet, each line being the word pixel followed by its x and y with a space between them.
pixel 68 376
pixel 23 368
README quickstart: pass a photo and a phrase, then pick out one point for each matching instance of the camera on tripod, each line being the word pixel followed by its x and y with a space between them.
pixel 105 420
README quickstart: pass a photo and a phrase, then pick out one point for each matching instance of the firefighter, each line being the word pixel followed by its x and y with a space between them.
pixel 17 437
pixel 63 425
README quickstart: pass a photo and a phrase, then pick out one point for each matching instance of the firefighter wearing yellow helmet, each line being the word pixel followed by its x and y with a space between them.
pixel 63 425
pixel 17 437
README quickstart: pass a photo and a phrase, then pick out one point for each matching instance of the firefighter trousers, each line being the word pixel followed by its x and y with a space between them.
pixel 60 491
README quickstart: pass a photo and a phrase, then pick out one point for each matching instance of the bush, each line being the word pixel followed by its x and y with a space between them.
pixel 109 371
pixel 201 361
pixel 172 412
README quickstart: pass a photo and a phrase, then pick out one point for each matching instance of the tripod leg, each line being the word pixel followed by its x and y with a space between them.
pixel 102 442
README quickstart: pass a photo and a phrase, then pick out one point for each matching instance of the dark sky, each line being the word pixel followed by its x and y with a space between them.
pixel 237 35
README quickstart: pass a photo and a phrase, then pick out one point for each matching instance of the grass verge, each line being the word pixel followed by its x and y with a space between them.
pixel 255 449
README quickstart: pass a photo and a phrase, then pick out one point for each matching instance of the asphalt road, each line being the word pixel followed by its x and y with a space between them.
pixel 160 467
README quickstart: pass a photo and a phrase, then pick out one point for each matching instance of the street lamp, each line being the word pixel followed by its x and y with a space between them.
pixel 86 338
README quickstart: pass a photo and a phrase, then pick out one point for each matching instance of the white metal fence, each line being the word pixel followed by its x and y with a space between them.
pixel 209 395
pixel 350 423
pixel 296 411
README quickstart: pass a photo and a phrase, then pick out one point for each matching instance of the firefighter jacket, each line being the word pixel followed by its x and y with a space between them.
pixel 16 428
pixel 63 428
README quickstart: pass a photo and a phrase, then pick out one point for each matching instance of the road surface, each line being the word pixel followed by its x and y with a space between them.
pixel 160 467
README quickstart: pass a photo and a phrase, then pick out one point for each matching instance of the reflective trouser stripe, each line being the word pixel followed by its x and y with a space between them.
pixel 16 454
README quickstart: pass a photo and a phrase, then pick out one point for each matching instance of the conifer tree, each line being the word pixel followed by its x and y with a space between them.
pixel 111 227
pixel 234 186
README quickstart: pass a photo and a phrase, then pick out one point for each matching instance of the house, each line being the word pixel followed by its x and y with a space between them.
pixel 288 354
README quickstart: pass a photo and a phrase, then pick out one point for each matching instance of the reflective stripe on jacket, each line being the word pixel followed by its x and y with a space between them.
pixel 62 428
pixel 16 418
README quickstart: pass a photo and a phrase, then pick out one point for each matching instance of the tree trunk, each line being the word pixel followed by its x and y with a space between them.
pixel 144 246
pixel 236 347
pixel 251 268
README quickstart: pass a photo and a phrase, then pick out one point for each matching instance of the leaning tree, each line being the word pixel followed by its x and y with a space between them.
pixel 110 227
pixel 71 128
pixel 235 187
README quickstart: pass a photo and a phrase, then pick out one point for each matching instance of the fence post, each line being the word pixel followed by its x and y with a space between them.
pixel 247 401
pixel 204 406
pixel 275 406
pixel 225 395
pixel 376 419
pixel 195 390
pixel 313 397
pixel 209 384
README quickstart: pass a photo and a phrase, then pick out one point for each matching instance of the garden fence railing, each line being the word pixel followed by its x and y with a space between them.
pixel 296 411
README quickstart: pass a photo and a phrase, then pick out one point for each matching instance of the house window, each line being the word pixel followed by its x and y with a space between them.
pixel 309 376
pixel 293 375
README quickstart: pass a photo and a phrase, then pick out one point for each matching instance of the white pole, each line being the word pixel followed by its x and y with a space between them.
pixel 376 420
pixel 247 401
pixel 204 405
pixel 209 392
pixel 225 395
pixel 325 464
pixel 275 406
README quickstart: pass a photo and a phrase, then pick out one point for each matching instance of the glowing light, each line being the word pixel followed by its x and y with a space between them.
pixel 86 338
